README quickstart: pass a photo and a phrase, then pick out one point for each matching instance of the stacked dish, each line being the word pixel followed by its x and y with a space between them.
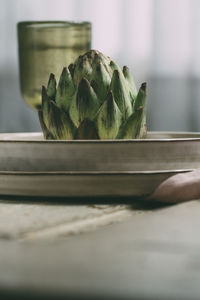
pixel 31 166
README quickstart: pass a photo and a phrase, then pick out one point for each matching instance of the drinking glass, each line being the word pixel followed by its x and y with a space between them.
pixel 47 47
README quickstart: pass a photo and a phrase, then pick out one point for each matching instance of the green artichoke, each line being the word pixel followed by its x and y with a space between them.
pixel 94 99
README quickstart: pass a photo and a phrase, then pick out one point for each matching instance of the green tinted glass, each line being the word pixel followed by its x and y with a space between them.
pixel 46 47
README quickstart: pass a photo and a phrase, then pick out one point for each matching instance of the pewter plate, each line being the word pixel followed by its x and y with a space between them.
pixel 82 184
pixel 31 166
pixel 28 152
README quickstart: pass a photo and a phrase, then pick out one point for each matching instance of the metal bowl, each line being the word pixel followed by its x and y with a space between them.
pixel 160 151
pixel 31 166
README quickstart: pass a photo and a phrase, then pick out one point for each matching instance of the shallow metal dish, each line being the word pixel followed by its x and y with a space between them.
pixel 31 166
pixel 82 184
pixel 160 151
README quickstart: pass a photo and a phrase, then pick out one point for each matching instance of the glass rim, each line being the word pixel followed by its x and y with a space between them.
pixel 49 23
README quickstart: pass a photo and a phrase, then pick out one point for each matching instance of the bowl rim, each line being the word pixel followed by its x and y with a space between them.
pixel 95 173
pixel 21 137
pixel 48 23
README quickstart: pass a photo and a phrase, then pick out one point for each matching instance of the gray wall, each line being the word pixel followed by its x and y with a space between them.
pixel 158 39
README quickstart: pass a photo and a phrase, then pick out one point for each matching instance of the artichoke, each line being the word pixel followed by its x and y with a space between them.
pixel 94 99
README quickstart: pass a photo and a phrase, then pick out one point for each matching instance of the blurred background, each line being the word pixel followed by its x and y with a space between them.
pixel 158 39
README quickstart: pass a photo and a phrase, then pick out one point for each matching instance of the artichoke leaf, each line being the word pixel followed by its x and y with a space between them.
pixel 65 90
pixel 82 69
pixel 141 101
pixel 71 68
pixel 108 118
pixel 131 83
pixel 114 66
pixel 141 97
pixel 60 124
pixel 100 58
pixel 85 103
pixel 131 128
pixel 51 87
pixel 87 131
pixel 100 81
pixel 45 106
pixel 120 91
pixel 46 133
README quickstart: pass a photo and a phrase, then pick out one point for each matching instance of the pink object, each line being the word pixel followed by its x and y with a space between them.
pixel 178 188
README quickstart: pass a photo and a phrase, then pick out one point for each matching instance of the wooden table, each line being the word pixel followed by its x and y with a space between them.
pixel 137 251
